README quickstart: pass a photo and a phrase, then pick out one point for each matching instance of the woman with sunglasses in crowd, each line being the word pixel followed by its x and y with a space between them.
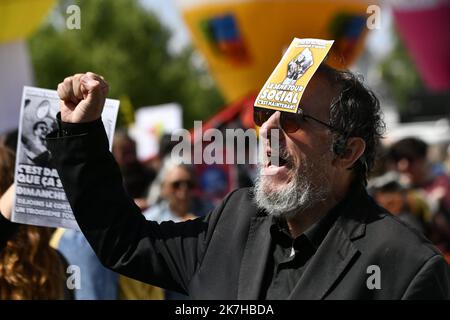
pixel 170 196
pixel 171 199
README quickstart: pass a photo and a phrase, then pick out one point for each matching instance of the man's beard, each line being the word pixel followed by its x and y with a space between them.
pixel 308 186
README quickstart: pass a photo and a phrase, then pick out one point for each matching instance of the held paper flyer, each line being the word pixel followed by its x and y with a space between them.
pixel 40 198
pixel 285 86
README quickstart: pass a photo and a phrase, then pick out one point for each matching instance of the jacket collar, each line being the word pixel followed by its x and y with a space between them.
pixel 255 258
pixel 334 255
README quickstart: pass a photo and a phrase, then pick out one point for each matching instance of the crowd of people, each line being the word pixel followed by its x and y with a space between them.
pixel 34 260
pixel 416 188
pixel 163 189
pixel 29 267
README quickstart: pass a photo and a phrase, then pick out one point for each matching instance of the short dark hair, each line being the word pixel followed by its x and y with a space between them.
pixel 354 113
pixel 408 148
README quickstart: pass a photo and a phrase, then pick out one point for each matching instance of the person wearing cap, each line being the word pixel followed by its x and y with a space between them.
pixel 307 230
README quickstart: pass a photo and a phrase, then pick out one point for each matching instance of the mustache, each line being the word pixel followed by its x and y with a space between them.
pixel 280 155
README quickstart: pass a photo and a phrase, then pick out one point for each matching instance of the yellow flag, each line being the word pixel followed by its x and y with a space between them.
pixel 20 18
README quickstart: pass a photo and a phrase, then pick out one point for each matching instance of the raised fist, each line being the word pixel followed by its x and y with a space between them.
pixel 82 97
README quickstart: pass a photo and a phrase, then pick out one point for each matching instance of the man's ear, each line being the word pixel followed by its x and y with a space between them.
pixel 353 150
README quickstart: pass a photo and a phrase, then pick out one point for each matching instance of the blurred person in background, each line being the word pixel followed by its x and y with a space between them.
pixel 29 267
pixel 170 195
pixel 409 156
pixel 173 195
pixel 137 178
pixel 171 200
pixel 404 203
pixel 165 146
pixel 97 282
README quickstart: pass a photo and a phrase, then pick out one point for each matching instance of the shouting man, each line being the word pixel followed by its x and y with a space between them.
pixel 308 230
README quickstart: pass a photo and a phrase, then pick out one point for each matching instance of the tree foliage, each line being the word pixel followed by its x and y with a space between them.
pixel 128 45
pixel 400 74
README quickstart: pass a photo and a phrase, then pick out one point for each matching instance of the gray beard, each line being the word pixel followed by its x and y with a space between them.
pixel 297 196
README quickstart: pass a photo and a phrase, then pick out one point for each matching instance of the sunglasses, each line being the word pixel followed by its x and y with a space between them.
pixel 289 122
pixel 179 183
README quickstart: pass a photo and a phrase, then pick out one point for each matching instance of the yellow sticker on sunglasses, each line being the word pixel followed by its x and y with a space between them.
pixel 285 86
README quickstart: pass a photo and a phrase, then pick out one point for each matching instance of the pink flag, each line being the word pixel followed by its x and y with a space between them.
pixel 425 32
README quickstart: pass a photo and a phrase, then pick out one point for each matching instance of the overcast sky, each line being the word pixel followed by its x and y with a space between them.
pixel 171 17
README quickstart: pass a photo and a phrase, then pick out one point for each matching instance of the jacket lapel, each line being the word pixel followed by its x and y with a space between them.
pixel 255 256
pixel 331 259
pixel 336 253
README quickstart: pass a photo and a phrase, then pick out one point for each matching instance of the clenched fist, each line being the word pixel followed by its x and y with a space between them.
pixel 82 97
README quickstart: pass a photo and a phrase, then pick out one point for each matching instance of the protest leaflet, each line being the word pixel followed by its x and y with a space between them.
pixel 40 198
pixel 285 86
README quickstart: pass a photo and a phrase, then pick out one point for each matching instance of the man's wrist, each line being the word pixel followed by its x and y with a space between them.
pixel 73 129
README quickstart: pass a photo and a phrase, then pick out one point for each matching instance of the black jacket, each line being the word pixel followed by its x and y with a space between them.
pixel 223 255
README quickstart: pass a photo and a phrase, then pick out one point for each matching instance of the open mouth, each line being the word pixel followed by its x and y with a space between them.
pixel 280 161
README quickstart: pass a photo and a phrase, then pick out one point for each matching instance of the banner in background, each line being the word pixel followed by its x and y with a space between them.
pixel 19 18
pixel 40 198
pixel 242 40
pixel 150 125
pixel 424 27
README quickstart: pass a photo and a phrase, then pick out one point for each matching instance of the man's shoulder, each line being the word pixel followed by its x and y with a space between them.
pixel 238 205
pixel 241 198
pixel 242 194
pixel 387 233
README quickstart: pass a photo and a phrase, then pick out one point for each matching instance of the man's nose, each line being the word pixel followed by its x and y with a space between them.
pixel 272 123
